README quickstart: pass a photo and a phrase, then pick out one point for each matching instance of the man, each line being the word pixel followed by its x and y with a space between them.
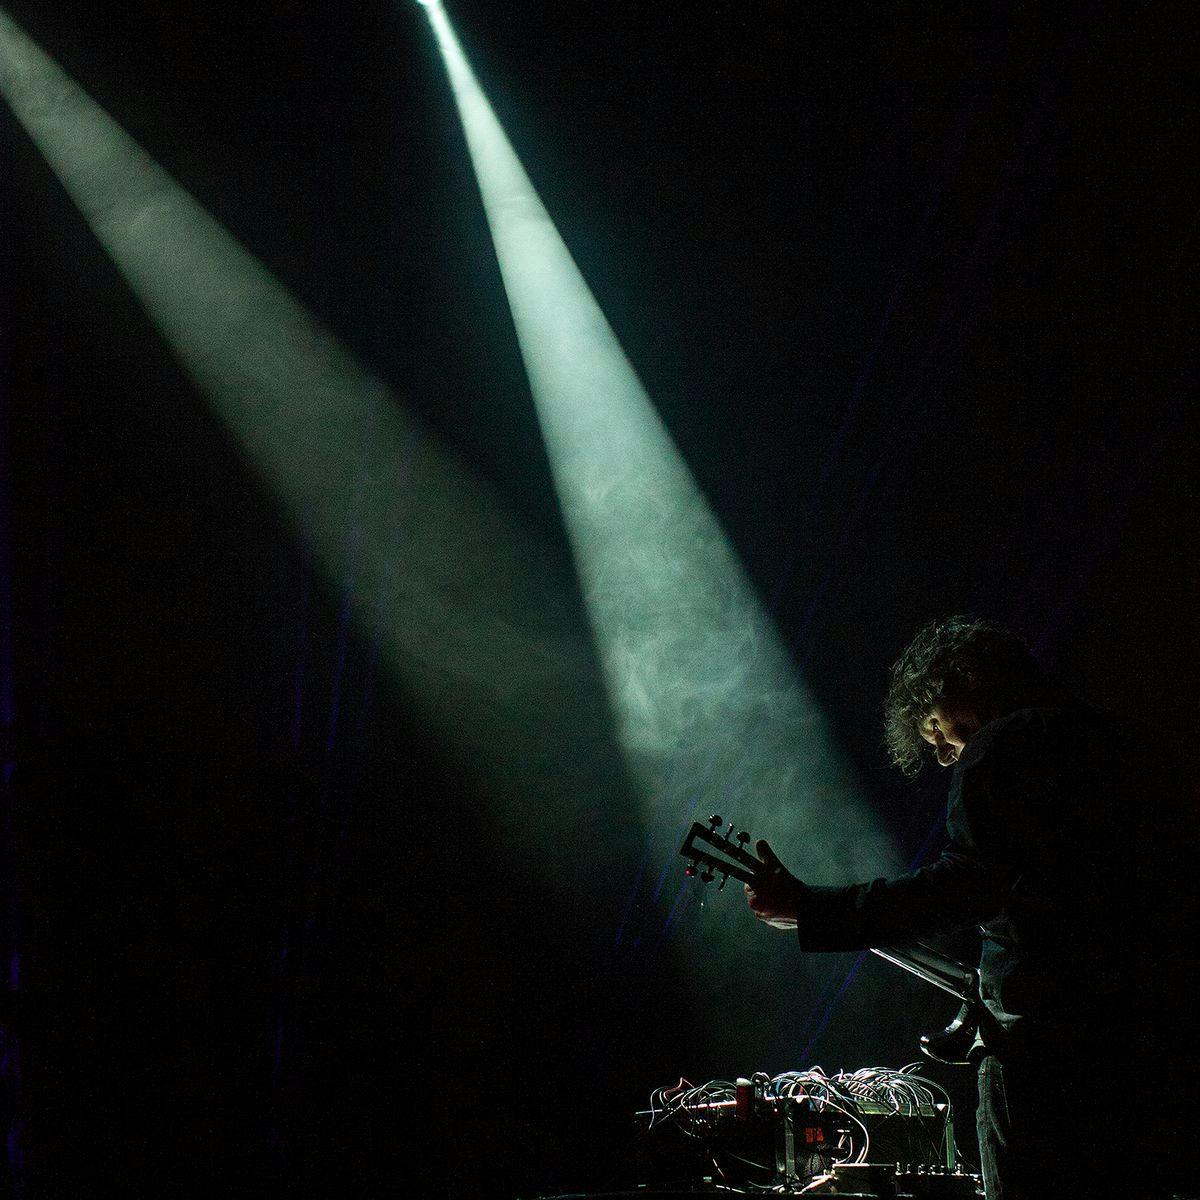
pixel 1080 899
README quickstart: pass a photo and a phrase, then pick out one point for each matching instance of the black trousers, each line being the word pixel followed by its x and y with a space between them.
pixel 1051 1129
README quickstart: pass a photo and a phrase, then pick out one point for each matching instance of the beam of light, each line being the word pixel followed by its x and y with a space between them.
pixel 470 614
pixel 708 707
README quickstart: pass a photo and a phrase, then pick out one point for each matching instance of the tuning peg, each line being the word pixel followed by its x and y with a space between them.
pixel 716 821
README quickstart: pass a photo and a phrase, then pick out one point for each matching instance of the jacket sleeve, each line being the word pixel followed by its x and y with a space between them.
pixel 973 879
pixel 952 893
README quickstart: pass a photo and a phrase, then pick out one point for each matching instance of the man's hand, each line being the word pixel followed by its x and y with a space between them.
pixel 775 894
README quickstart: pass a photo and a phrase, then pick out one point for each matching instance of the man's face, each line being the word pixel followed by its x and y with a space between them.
pixel 948 728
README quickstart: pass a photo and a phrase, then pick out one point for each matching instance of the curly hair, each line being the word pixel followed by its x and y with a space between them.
pixel 952 660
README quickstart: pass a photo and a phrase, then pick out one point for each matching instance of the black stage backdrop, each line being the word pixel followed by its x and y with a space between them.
pixel 911 288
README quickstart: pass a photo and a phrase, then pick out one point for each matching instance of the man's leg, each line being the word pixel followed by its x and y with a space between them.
pixel 993 1128
pixel 1048 1130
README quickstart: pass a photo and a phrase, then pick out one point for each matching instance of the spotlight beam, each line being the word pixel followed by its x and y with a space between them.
pixel 467 612
pixel 708 707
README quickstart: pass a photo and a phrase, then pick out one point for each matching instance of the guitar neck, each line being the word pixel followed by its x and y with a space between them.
pixel 727 856
pixel 934 968
pixel 722 855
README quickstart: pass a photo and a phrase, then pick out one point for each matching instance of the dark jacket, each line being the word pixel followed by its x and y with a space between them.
pixel 1067 847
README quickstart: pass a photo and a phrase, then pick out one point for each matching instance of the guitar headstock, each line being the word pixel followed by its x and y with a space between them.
pixel 724 854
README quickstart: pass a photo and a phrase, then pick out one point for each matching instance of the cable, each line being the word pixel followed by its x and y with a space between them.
pixel 700 1110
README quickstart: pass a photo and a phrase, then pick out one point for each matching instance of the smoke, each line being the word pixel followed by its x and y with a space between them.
pixel 709 710
pixel 457 595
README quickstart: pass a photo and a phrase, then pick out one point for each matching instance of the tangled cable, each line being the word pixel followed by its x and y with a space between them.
pixel 700 1110
pixel 903 1091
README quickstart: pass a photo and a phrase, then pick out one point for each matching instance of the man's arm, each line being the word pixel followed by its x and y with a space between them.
pixel 955 891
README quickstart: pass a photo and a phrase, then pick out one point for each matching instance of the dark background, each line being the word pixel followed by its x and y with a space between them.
pixel 911 287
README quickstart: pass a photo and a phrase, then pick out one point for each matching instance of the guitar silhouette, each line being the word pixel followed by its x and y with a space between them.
pixel 711 854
